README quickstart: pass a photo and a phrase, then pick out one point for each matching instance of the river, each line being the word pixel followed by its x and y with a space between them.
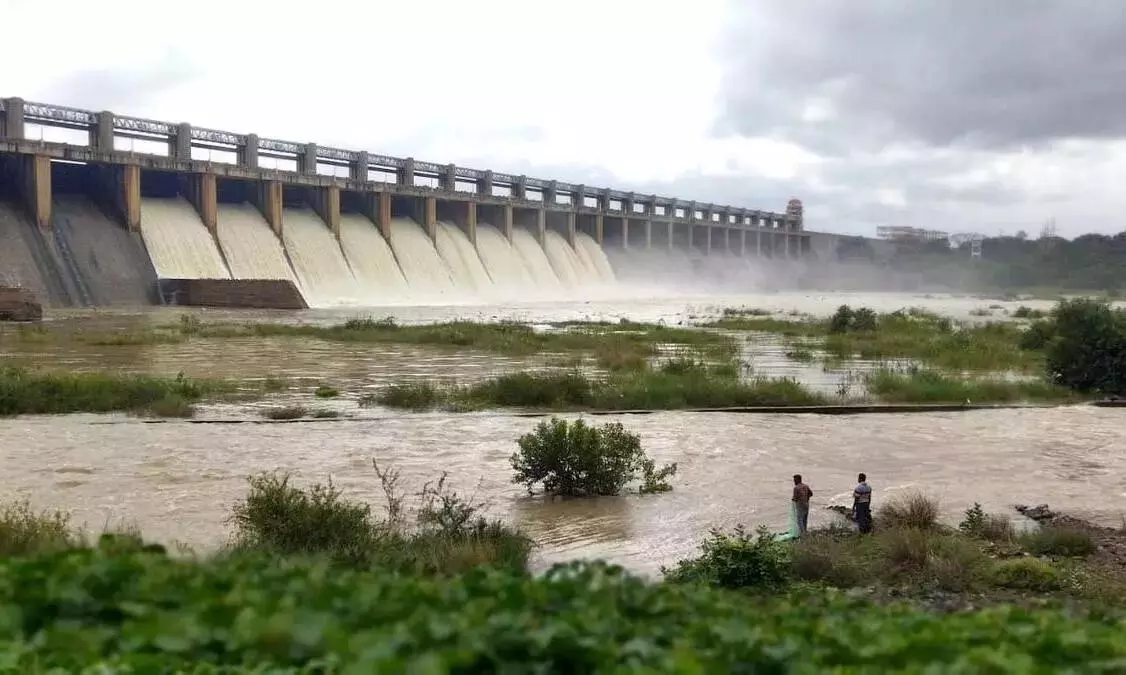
pixel 177 480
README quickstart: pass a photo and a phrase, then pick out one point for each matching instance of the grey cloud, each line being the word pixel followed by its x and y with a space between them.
pixel 120 89
pixel 992 74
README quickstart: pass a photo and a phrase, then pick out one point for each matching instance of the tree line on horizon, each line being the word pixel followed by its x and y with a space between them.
pixel 1090 262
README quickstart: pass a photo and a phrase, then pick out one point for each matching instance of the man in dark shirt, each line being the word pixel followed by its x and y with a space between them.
pixel 802 493
pixel 862 504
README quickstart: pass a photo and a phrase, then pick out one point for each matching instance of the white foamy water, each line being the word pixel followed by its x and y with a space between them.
pixel 321 269
pixel 178 242
pixel 427 274
pixel 459 253
pixel 564 260
pixel 509 272
pixel 535 260
pixel 371 259
pixel 251 248
pixel 592 255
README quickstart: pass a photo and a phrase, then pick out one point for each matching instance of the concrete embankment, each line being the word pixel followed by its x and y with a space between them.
pixel 102 263
pixel 25 258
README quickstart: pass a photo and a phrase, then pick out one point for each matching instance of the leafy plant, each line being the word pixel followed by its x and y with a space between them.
pixel 736 560
pixel 575 459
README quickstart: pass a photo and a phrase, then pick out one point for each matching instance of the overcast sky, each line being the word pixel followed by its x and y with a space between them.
pixel 964 116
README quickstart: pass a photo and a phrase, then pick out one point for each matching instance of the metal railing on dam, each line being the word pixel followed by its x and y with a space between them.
pixel 318 166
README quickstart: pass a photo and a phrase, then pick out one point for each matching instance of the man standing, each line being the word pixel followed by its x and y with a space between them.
pixel 802 493
pixel 862 504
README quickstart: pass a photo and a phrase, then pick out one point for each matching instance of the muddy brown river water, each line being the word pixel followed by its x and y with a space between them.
pixel 177 480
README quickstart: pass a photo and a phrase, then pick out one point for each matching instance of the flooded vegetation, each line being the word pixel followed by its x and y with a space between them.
pixel 322 520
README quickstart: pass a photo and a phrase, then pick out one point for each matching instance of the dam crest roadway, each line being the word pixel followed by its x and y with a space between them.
pixel 92 221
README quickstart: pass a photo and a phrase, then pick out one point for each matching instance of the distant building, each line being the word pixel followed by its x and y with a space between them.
pixel 904 233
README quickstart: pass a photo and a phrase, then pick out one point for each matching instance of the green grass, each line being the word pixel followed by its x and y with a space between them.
pixel 24 391
pixel 676 384
pixel 611 343
pixel 916 385
pixel 933 340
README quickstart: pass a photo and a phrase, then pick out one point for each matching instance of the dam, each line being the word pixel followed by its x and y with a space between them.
pixel 101 209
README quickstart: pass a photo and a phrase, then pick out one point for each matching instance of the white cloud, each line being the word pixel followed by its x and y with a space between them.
pixel 625 92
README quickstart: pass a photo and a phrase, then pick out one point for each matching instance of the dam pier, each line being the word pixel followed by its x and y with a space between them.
pixel 98 209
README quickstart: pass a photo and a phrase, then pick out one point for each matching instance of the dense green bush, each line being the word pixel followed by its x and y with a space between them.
pixel 1087 350
pixel 576 459
pixel 736 560
pixel 848 320
pixel 138 611
pixel 1058 540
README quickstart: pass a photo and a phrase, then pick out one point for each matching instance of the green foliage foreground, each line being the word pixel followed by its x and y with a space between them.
pixel 105 610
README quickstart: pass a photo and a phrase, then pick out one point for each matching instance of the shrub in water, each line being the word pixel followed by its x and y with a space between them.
pixel 736 560
pixel 1088 350
pixel 575 459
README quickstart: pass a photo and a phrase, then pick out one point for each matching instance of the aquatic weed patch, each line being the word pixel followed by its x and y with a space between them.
pixel 143 611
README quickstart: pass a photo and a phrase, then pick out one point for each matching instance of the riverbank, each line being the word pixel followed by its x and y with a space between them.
pixel 914 595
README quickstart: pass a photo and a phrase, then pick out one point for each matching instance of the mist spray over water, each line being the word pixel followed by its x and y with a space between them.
pixel 536 261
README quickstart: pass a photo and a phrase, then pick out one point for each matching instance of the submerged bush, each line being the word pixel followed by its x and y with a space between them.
pixel 575 459
pixel 1087 351
pixel 736 560
pixel 847 319
pixel 34 392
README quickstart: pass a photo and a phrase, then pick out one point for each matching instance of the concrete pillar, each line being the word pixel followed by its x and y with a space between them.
pixel 571 228
pixel 101 134
pixel 471 221
pixel 131 196
pixel 742 242
pixel 405 173
pixel 648 234
pixel 430 216
pixel 307 161
pixel 326 202
pixel 248 153
pixel 691 227
pixel 506 226
pixel 449 179
pixel 579 197
pixel 384 218
pixel 205 199
pixel 758 242
pixel 541 225
pixel 13 119
pixel 270 203
pixel 598 227
pixel 625 232
pixel 182 142
pixel 485 184
pixel 520 188
pixel 549 194
pixel 670 229
pixel 786 245
pixel 359 168
pixel 708 238
pixel 37 189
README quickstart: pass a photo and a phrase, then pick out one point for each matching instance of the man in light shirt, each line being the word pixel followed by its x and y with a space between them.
pixel 862 504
